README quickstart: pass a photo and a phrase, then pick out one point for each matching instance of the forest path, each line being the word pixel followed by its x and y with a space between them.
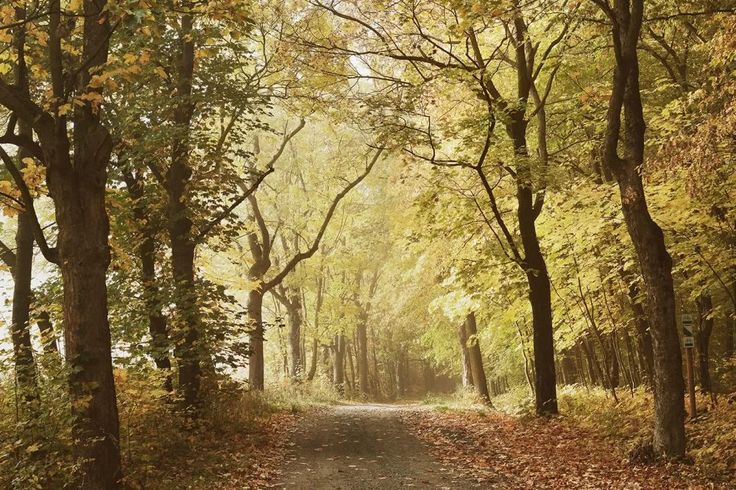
pixel 364 447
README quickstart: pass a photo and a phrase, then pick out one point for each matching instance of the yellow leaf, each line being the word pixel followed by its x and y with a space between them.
pixel 63 110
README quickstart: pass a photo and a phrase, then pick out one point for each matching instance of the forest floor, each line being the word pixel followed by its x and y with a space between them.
pixel 397 446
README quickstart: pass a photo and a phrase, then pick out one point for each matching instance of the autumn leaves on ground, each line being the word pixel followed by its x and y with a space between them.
pixel 448 443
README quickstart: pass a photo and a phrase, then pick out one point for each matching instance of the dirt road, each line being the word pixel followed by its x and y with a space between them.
pixel 364 447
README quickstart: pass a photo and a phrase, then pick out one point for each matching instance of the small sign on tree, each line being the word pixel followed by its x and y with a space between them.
pixel 688 341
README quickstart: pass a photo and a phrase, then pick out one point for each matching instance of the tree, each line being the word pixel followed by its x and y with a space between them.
pixel 260 249
pixel 76 169
pixel 646 235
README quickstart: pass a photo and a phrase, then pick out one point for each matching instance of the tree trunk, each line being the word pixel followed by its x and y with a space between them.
pixel 79 196
pixel 656 265
pixel 428 376
pixel 730 348
pixel 615 364
pixel 399 373
pixel 25 365
pixel 255 320
pixel 476 359
pixel 186 333
pixel 76 179
pixel 594 369
pixel 84 257
pixel 376 377
pixel 705 329
pixel 157 326
pixel 630 354
pixel 339 363
pixel 467 374
pixel 647 237
pixel 294 311
pixel 581 364
pixel 363 355
pixel 313 360
pixel 535 268
pixel 642 329
pixel 527 370
pixel 48 336
pixel 351 365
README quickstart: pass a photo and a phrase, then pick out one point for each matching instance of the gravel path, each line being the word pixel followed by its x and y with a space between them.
pixel 364 447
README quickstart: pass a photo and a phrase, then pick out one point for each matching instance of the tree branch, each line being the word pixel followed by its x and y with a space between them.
pixel 250 190
pixel 50 253
pixel 315 244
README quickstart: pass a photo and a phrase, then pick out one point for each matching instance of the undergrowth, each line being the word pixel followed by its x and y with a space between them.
pixel 626 423
pixel 161 446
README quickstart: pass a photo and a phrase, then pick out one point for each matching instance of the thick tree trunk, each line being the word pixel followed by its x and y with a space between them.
pixel 186 332
pixel 467 373
pixel 476 359
pixel 535 268
pixel 255 320
pixel 647 237
pixel 76 179
pixel 656 265
pixel 702 337
pixel 84 255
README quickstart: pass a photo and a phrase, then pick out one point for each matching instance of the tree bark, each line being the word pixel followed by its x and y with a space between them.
pixel 76 181
pixel 48 336
pixel 476 359
pixel 255 320
pixel 351 365
pixel 647 237
pixel 20 332
pixel 642 328
pixel 338 365
pixel 467 374
pixel 702 341
pixel 294 311
pixel 363 355
pixel 185 333
pixel 313 361
pixel 535 268
pixel 146 251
